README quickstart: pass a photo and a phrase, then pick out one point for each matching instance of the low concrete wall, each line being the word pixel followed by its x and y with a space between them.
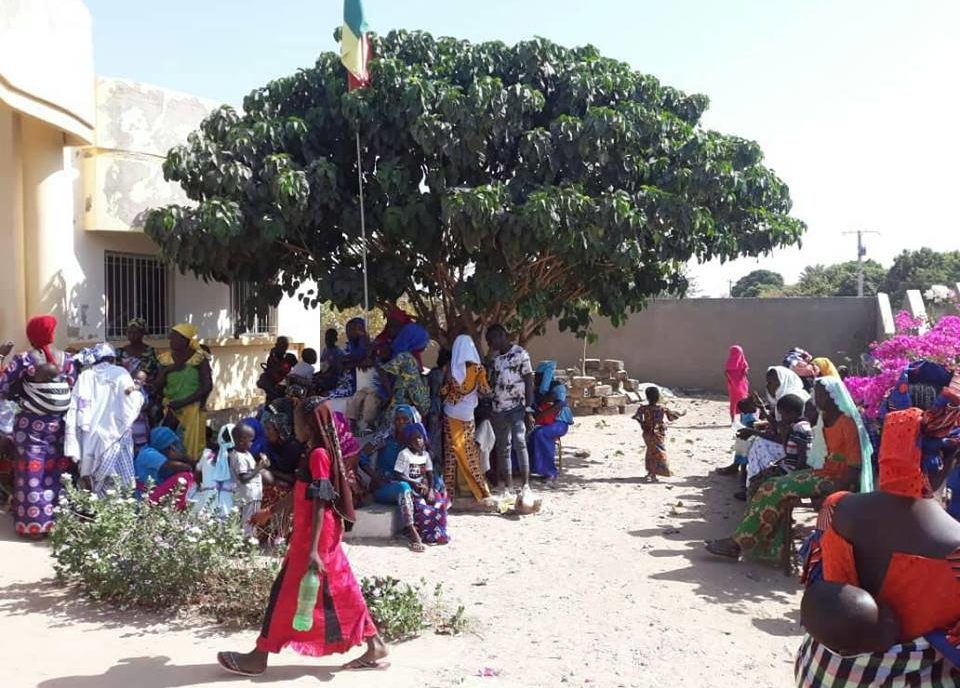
pixel 685 343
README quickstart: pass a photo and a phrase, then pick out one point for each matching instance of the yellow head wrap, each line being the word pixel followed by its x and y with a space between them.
pixel 188 332
pixel 826 367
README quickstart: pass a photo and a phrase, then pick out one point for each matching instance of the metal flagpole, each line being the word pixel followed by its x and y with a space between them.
pixel 363 233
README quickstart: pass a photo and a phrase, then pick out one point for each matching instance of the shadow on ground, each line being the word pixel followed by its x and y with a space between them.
pixel 157 672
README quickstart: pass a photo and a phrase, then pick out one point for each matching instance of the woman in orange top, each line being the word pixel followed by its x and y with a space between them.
pixel 761 532
pixel 883 573
pixel 465 382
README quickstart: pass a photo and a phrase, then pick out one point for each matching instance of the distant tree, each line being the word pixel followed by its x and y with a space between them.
pixel 757 283
pixel 516 184
pixel 921 270
pixel 839 279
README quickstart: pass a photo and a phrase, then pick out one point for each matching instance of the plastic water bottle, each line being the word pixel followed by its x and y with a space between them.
pixel 306 601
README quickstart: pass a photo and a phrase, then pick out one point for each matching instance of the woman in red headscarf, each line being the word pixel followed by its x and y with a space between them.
pixel 323 509
pixel 738 386
pixel 40 381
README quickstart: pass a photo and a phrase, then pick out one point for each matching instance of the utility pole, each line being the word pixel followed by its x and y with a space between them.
pixel 861 252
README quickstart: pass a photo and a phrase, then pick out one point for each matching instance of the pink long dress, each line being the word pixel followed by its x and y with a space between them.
pixel 738 386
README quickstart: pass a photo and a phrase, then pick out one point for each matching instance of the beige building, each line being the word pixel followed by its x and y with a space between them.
pixel 80 163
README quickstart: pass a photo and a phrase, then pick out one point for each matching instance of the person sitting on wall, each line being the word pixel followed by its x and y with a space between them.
pixel 331 360
pixel 275 370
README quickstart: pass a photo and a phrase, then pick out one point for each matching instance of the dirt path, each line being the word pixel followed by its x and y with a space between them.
pixel 609 586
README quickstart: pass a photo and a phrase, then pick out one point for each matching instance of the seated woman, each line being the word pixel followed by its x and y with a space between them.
pixel 882 606
pixel 404 380
pixel 767 446
pixel 386 489
pixel 761 532
pixel 164 465
pixel 553 420
pixel 284 452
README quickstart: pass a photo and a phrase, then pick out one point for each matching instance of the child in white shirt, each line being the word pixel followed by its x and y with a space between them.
pixel 246 471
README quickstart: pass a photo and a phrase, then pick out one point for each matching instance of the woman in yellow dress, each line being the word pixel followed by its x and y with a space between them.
pixel 184 382
pixel 466 381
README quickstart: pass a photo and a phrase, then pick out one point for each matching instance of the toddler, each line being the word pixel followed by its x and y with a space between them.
pixel 653 421
pixel 364 406
pixel 797 441
pixel 216 484
pixel 246 470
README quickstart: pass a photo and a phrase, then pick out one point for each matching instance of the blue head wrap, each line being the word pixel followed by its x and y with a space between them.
pixel 412 337
pixel 546 370
pixel 163 438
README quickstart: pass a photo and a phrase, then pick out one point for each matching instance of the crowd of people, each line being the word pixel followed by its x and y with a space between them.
pixel 881 606
pixel 412 438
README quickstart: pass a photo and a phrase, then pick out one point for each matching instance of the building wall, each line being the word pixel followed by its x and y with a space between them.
pixel 684 343
pixel 46 64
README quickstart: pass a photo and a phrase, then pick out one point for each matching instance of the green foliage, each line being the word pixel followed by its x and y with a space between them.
pixel 757 283
pixel 396 607
pixel 148 555
pixel 921 270
pixel 839 279
pixel 512 184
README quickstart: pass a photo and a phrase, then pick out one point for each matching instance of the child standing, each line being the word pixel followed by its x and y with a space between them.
pixel 216 479
pixel 246 471
pixel 652 419
pixel 747 418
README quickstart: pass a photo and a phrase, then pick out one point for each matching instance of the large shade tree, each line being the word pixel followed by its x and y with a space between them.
pixel 512 184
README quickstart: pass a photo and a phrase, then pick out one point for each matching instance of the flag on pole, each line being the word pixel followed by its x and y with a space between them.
pixel 355 44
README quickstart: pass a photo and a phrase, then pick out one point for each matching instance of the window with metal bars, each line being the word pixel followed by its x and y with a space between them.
pixel 137 286
pixel 251 324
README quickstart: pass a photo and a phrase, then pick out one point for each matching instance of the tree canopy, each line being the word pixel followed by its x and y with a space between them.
pixel 838 280
pixel 511 184
pixel 921 270
pixel 757 283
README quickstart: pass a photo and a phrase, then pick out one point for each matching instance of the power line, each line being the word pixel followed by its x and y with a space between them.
pixel 861 252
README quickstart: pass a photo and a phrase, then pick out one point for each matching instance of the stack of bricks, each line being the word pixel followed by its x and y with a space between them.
pixel 604 390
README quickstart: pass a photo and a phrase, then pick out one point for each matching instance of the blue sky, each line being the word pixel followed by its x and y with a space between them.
pixel 855 102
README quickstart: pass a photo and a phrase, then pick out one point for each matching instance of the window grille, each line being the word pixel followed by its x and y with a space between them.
pixel 137 286
pixel 251 324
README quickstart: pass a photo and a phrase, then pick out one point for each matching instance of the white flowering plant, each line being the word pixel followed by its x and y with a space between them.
pixel 151 555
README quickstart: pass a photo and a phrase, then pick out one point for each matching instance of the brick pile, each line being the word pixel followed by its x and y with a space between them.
pixel 606 389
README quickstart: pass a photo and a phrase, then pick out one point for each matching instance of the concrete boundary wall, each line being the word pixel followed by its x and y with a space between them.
pixel 684 343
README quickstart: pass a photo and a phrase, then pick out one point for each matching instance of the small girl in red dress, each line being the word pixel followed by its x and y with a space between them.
pixel 323 506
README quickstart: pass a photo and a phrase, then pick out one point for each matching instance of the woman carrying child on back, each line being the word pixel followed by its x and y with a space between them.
pixel 652 419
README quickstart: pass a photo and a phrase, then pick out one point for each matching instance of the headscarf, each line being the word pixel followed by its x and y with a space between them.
pixel 407 410
pixel 546 370
pixel 736 360
pixel 412 337
pixel 398 317
pixel 900 472
pixel 464 352
pixel 41 331
pixel 188 332
pixel 322 415
pixel 221 465
pixel 137 324
pixel 416 429
pixel 163 438
pixel 96 354
pixel 838 391
pixel 259 445
pixel 826 367
pixel 278 414
pixel 789 383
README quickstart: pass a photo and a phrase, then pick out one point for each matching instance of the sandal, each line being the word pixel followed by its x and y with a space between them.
pixel 361 664
pixel 228 660
pixel 417 547
pixel 724 548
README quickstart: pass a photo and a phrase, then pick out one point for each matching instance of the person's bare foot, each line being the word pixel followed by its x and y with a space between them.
pixel 251 664
pixel 415 543
pixel 371 659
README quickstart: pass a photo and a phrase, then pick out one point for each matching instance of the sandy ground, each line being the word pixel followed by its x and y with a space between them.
pixel 608 586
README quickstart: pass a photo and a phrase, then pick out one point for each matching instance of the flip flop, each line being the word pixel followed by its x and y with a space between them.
pixel 361 664
pixel 228 661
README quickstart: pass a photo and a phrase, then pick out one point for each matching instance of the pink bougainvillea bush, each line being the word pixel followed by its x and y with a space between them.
pixel 940 344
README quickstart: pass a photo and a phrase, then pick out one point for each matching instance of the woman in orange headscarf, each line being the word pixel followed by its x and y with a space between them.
pixel 40 381
pixel 184 382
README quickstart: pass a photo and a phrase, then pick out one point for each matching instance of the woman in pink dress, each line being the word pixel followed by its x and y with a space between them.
pixel 323 507
pixel 738 386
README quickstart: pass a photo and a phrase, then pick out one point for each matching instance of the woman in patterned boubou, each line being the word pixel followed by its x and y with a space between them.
pixel 40 381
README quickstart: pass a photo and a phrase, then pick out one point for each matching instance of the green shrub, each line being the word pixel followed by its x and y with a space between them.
pixel 134 553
